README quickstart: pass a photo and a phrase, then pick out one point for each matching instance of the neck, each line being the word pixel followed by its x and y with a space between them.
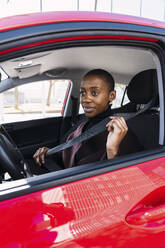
pixel 102 115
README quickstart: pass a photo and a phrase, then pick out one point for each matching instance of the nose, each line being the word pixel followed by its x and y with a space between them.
pixel 86 98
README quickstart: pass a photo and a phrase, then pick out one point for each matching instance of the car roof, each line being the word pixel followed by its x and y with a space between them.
pixel 73 62
pixel 19 21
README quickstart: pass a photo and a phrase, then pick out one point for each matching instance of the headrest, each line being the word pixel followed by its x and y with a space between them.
pixel 143 87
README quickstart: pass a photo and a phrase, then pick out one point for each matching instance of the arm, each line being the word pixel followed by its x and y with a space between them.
pixel 117 128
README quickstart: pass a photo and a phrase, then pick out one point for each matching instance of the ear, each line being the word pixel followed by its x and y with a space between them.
pixel 112 95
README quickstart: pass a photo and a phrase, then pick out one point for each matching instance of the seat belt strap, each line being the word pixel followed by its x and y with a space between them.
pixel 96 129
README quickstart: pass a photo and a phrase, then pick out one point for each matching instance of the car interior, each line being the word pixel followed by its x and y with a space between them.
pixel 137 69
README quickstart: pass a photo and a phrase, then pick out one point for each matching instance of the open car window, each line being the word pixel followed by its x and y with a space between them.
pixel 41 95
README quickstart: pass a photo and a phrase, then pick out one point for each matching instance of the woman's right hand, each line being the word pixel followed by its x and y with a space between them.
pixel 117 128
pixel 39 156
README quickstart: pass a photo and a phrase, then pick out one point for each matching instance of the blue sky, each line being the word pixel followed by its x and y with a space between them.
pixel 153 9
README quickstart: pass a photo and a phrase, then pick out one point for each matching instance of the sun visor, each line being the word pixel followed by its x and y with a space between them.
pixel 28 71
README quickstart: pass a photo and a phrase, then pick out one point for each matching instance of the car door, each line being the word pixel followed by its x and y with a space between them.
pixel 115 208
pixel 115 203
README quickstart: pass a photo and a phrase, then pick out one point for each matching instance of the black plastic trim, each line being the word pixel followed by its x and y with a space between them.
pixel 30 123
pixel 25 32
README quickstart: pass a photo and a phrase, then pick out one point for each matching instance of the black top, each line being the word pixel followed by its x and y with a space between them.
pixel 94 120
pixel 94 148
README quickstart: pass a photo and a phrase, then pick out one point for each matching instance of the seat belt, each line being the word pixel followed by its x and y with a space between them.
pixel 96 129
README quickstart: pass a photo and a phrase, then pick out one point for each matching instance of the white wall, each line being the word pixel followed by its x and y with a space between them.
pixel 153 9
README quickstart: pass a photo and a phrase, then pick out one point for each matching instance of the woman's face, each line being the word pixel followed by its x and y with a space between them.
pixel 95 95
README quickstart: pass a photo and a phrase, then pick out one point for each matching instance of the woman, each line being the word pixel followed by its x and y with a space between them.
pixel 96 95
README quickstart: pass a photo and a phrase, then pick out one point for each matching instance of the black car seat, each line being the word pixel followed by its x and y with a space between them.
pixel 142 89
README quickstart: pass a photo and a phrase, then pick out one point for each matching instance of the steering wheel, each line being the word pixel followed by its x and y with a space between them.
pixel 11 159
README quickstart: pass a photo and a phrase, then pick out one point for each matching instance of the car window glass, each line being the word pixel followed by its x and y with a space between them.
pixel 3 75
pixel 33 101
pixel 120 91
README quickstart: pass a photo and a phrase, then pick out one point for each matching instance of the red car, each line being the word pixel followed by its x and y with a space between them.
pixel 115 203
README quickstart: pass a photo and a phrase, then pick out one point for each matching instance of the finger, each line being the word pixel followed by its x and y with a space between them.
pixel 37 156
pixel 109 126
pixel 121 122
pixel 117 127
pixel 42 155
pixel 108 122
pixel 113 118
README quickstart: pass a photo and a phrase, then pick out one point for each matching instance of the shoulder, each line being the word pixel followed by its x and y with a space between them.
pixel 78 124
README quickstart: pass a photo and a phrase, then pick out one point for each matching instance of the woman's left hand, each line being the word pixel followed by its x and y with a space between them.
pixel 117 128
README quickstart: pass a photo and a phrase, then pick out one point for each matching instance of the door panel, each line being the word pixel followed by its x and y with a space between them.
pixel 92 212
pixel 33 134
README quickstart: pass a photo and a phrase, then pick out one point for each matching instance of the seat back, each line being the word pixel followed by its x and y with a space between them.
pixel 143 88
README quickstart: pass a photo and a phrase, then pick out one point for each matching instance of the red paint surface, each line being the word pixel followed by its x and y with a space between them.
pixel 90 213
pixel 65 98
pixel 19 21
pixel 103 211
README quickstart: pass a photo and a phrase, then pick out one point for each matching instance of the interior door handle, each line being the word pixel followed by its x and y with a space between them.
pixel 150 211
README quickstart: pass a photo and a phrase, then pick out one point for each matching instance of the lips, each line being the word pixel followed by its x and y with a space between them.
pixel 88 109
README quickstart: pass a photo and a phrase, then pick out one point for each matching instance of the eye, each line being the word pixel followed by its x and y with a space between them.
pixel 82 93
pixel 94 93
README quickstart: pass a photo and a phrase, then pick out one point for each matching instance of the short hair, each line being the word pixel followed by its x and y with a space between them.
pixel 104 75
